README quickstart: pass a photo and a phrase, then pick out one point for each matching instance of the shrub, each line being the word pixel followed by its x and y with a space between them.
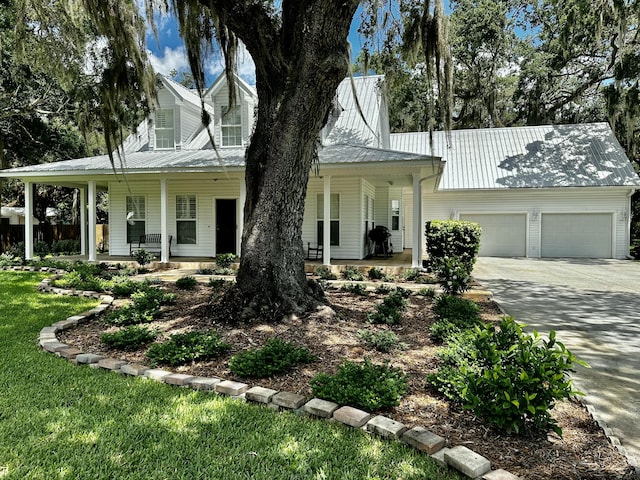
pixel 129 338
pixel 391 308
pixel 275 357
pixel 125 287
pixel 412 274
pixel 8 260
pixel 352 274
pixel 635 249
pixel 508 377
pixel 79 281
pixel 151 298
pixel 183 348
pixel 16 251
pixel 145 307
pixel 453 275
pixel 130 315
pixel 41 249
pixel 367 386
pixel 377 274
pixel 225 260
pixel 453 239
pixel 383 341
pixel 428 292
pixel 143 257
pixel 355 288
pixel 186 283
pixel 325 274
pixel 383 289
pixel 205 271
pixel 65 247
pixel 454 314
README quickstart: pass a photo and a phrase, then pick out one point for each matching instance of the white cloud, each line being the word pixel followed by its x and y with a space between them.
pixel 245 65
pixel 172 59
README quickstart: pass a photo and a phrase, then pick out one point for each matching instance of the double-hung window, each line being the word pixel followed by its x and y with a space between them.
pixel 231 126
pixel 186 219
pixel 164 129
pixel 334 200
pixel 136 217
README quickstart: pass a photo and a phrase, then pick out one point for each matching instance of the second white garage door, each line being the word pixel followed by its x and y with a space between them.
pixel 503 235
pixel 582 235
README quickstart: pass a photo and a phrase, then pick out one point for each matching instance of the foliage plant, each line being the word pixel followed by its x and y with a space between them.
pixel 80 280
pixel 375 273
pixel 352 274
pixel 508 377
pixel 391 308
pixel 325 273
pixel 383 289
pixel 123 286
pixel 384 341
pixel 412 274
pixel 454 276
pixel 144 308
pixel 187 347
pixel 355 288
pixel 187 282
pixel 225 260
pixel 428 292
pixel 454 314
pixel 131 337
pixel 143 257
pixel 362 385
pixel 275 357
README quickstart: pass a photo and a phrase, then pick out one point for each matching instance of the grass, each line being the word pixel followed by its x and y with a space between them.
pixel 60 421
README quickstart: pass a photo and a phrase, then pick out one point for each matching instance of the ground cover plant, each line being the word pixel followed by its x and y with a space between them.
pixel 274 358
pixel 58 420
pixel 186 347
pixel 129 338
pixel 583 452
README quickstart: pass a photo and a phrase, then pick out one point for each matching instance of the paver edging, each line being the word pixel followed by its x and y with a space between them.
pixel 229 386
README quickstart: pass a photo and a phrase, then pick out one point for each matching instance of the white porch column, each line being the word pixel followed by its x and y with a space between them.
pixel 243 199
pixel 326 222
pixel 164 238
pixel 92 221
pixel 416 251
pixel 28 220
pixel 83 221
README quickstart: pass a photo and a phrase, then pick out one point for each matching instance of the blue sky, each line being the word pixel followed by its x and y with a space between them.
pixel 168 53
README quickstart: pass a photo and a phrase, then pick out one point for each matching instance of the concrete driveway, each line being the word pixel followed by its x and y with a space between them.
pixel 594 306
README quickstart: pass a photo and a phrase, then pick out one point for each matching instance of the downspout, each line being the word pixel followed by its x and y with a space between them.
pixel 629 217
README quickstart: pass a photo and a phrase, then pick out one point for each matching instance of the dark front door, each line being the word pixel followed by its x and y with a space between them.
pixel 226 226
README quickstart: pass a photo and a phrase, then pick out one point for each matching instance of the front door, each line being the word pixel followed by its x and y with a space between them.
pixel 226 227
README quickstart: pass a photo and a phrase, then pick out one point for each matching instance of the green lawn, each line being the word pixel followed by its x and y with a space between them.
pixel 59 421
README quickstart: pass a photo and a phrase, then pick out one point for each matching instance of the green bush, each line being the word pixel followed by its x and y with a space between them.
pixel 123 286
pixel 383 341
pixel 412 274
pixel 143 257
pixel 129 338
pixel 183 348
pixel 152 298
pixel 454 314
pixel 352 274
pixel 508 377
pixel 428 292
pixel 383 289
pixel 130 315
pixel 65 247
pixel 355 288
pixel 391 308
pixel 377 274
pixel 8 260
pixel 225 260
pixel 454 276
pixel 78 281
pixel 367 386
pixel 41 249
pixel 274 358
pixel 145 307
pixel 186 283
pixel 453 239
pixel 325 274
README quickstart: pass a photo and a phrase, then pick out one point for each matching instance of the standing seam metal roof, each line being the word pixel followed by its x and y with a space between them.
pixel 545 156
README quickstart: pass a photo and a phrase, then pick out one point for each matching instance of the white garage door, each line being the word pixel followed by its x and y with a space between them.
pixel 503 235
pixel 585 235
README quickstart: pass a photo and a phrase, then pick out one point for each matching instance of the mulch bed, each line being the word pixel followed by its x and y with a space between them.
pixel 584 452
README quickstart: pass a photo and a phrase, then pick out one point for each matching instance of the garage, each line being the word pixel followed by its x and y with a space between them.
pixel 576 235
pixel 503 235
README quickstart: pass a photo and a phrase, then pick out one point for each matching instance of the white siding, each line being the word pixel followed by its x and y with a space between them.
pixel 395 193
pixel 368 192
pixel 205 191
pixel 534 202
pixel 190 121
pixel 349 190
pixel 407 200
pixel 382 206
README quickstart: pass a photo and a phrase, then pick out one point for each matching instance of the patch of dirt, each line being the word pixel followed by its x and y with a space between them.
pixel 583 452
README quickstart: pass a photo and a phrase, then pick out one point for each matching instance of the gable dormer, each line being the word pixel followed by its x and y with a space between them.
pixel 232 124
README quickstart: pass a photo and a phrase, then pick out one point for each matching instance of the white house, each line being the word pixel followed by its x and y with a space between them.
pixel 537 191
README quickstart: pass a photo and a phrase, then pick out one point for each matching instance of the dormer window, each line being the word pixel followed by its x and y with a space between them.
pixel 231 126
pixel 164 129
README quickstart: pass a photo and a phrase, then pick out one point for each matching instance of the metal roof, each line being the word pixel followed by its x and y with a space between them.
pixel 545 156
pixel 202 160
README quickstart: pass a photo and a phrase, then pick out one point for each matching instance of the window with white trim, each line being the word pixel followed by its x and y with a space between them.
pixel 231 126
pixel 164 129
pixel 186 219
pixel 395 214
pixel 136 217
pixel 334 201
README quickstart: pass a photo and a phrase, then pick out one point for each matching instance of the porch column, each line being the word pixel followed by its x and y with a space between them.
pixel 92 221
pixel 416 251
pixel 28 220
pixel 243 199
pixel 83 221
pixel 326 222
pixel 164 233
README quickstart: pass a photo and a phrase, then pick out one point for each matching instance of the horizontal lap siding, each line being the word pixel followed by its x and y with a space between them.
pixel 440 205
pixel 367 190
pixel 206 190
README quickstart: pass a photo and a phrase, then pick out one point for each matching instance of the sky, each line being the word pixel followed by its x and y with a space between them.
pixel 168 53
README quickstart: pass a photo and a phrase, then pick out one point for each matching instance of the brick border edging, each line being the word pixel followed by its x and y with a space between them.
pixel 466 461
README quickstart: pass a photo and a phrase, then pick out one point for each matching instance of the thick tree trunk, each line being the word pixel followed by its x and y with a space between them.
pixel 294 97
